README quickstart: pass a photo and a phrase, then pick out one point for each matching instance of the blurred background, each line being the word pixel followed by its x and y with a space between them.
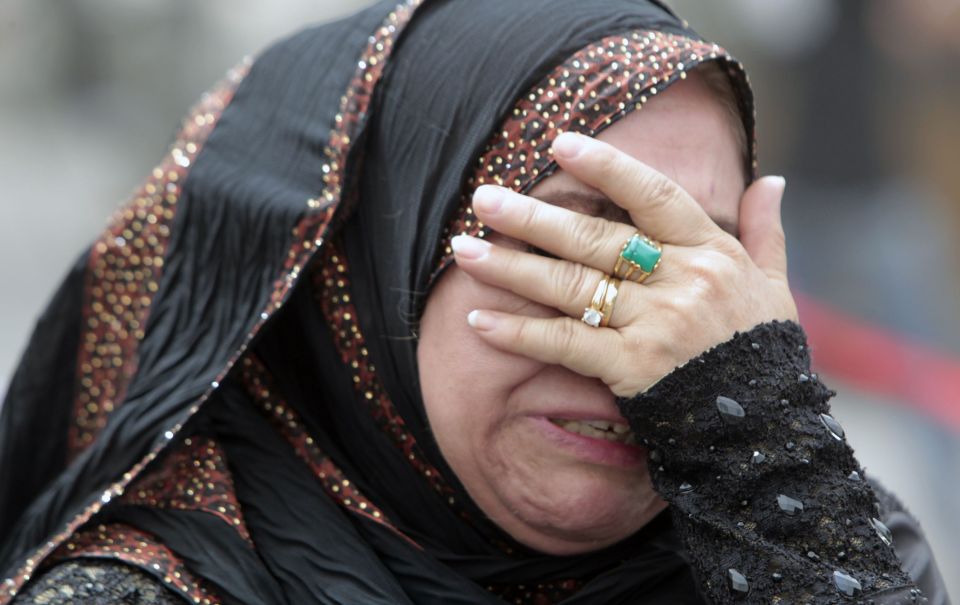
pixel 859 107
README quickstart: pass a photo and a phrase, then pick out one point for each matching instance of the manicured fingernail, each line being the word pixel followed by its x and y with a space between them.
pixel 471 248
pixel 488 198
pixel 569 145
pixel 479 320
pixel 779 185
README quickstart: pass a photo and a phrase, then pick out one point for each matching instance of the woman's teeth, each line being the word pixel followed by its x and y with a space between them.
pixel 598 429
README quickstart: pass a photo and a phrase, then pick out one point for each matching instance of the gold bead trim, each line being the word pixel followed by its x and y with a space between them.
pixel 331 283
pixel 259 385
pixel 194 476
pixel 121 542
pixel 587 93
pixel 124 270
pixel 308 237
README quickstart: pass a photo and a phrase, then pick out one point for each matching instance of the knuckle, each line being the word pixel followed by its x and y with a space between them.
pixel 679 308
pixel 662 349
pixel 572 281
pixel 592 235
pixel 567 343
pixel 711 272
pixel 529 217
pixel 551 338
pixel 511 265
pixel 524 332
pixel 565 337
pixel 510 262
pixel 605 158
pixel 658 191
pixel 729 246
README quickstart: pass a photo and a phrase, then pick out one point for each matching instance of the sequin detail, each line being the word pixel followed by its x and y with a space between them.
pixel 104 388
pixel 591 90
pixel 165 487
pixel 309 233
pixel 138 548
pixel 308 237
pixel 782 525
pixel 195 476
pixel 258 383
pixel 124 270
pixel 332 290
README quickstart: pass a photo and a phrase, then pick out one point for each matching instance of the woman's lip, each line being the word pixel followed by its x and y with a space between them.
pixel 597 451
pixel 586 417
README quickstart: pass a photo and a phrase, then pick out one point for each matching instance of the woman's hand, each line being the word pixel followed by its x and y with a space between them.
pixel 708 286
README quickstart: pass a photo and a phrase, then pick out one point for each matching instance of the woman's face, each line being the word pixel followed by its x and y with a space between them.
pixel 493 413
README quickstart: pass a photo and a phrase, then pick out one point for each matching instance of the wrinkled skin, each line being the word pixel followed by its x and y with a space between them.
pixel 491 384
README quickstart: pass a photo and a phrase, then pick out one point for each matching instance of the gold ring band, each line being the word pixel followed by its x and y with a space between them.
pixel 609 299
pixel 600 311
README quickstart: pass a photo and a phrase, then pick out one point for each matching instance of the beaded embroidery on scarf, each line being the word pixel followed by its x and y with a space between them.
pixel 110 342
pixel 258 383
pixel 123 273
pixel 113 337
pixel 124 270
pixel 121 542
pixel 194 476
pixel 591 90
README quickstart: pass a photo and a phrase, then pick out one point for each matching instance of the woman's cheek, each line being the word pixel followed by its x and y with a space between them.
pixel 466 383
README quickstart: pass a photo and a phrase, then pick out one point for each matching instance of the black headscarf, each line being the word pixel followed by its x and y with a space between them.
pixel 260 295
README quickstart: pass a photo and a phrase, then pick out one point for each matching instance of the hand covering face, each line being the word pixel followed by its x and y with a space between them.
pixel 251 311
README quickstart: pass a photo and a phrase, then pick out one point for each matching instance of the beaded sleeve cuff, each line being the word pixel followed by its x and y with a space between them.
pixel 765 492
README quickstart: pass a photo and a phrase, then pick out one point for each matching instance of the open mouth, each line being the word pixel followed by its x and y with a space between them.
pixel 598 429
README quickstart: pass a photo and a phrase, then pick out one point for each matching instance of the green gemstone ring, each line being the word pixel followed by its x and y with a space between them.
pixel 639 257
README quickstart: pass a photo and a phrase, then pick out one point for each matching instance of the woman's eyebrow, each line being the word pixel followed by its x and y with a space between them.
pixel 597 204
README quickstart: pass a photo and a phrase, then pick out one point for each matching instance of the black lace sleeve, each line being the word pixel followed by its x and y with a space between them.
pixel 766 495
pixel 99 582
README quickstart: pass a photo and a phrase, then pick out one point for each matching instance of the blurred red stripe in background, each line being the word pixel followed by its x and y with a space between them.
pixel 880 361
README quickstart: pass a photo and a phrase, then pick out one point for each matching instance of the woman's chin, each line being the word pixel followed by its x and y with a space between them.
pixel 576 508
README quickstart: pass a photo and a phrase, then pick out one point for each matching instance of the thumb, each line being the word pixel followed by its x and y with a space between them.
pixel 761 230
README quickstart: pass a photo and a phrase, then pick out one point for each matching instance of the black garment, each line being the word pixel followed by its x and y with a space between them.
pixel 764 489
pixel 354 191
pixel 96 582
pixel 734 522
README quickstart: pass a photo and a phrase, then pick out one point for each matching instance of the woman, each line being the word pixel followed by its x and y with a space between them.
pixel 268 383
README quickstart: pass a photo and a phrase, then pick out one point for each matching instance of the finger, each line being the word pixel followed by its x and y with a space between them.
pixel 581 238
pixel 559 340
pixel 657 204
pixel 563 285
pixel 761 228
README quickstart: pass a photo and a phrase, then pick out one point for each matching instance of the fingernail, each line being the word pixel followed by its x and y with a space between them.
pixel 780 181
pixel 569 145
pixel 471 248
pixel 488 198
pixel 479 320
